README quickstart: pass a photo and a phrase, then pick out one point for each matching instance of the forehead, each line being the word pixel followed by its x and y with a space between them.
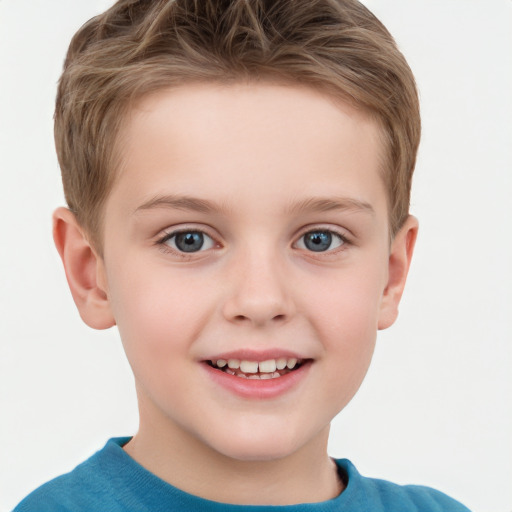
pixel 235 142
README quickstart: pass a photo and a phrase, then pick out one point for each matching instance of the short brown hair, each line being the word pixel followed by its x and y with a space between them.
pixel 139 46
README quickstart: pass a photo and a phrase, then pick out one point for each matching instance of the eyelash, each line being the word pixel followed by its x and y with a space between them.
pixel 344 240
pixel 162 241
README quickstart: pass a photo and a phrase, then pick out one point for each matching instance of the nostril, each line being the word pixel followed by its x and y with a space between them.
pixel 244 318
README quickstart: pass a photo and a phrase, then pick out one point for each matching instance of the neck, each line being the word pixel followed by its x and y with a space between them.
pixel 306 476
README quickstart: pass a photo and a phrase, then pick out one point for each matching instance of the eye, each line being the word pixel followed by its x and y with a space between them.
pixel 188 241
pixel 320 240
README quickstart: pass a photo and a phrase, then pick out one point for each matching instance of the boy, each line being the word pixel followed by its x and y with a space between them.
pixel 237 175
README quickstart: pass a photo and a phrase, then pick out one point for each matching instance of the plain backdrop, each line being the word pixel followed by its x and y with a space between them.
pixel 436 407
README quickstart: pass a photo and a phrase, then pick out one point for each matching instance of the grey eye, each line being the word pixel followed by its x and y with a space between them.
pixel 320 241
pixel 189 241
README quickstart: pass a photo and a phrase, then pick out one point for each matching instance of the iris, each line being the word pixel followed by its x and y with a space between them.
pixel 189 241
pixel 318 241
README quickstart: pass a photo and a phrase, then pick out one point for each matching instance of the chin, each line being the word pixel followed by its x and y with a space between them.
pixel 257 445
pixel 256 453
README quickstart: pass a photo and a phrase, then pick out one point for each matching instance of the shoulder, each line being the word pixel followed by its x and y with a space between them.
pixel 84 487
pixel 382 496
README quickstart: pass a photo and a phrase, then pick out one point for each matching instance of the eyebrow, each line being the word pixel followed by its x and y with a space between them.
pixel 313 205
pixel 309 205
pixel 180 203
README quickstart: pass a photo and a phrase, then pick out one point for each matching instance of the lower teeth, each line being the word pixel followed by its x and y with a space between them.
pixel 253 376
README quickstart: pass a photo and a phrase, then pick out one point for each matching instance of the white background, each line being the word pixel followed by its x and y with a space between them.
pixel 436 407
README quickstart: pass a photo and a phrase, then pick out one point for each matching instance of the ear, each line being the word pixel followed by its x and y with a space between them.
pixel 400 257
pixel 85 270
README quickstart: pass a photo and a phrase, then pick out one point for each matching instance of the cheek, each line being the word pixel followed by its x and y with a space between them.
pixel 345 317
pixel 347 306
pixel 155 317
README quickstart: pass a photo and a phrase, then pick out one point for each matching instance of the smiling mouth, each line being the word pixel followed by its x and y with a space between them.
pixel 269 369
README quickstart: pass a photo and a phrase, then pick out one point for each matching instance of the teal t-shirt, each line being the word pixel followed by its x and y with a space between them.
pixel 111 481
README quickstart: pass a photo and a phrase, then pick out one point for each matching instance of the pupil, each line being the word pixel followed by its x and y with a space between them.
pixel 189 242
pixel 318 240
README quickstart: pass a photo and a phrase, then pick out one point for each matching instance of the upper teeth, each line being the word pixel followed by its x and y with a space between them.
pixel 268 366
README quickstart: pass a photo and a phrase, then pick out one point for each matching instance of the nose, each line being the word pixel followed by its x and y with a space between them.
pixel 259 292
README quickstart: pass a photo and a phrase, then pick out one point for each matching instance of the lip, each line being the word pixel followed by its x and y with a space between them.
pixel 257 389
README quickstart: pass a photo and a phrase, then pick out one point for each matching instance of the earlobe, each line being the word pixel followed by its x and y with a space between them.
pixel 84 269
pixel 400 257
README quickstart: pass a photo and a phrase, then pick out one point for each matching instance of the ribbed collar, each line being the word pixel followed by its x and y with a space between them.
pixel 129 476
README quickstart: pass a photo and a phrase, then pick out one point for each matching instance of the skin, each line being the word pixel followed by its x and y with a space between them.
pixel 272 163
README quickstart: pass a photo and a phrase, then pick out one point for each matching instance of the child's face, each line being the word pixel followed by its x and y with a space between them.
pixel 249 223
